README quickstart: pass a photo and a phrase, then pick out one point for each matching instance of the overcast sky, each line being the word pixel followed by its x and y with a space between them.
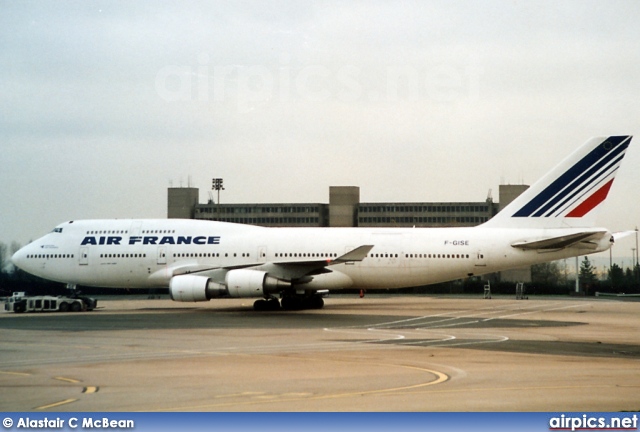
pixel 105 104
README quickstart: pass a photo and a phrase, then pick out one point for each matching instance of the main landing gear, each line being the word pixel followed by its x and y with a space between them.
pixel 289 302
pixel 270 304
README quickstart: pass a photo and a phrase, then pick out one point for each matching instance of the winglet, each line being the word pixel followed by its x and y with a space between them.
pixel 358 254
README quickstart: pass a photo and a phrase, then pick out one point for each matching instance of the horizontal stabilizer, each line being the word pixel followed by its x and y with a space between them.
pixel 562 242
pixel 623 234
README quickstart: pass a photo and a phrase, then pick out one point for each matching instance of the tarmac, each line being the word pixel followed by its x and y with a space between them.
pixel 378 353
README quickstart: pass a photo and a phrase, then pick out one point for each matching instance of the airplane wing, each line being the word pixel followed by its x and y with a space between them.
pixel 298 269
pixel 286 270
pixel 583 240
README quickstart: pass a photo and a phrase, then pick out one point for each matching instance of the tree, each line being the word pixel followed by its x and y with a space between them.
pixel 15 247
pixel 617 278
pixel 546 273
pixel 629 277
pixel 3 256
pixel 587 275
pixel 635 283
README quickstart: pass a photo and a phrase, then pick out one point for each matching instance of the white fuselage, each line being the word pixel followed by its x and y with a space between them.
pixel 202 260
pixel 148 253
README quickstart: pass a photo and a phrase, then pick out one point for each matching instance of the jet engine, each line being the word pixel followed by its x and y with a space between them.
pixel 238 283
pixel 253 283
pixel 190 288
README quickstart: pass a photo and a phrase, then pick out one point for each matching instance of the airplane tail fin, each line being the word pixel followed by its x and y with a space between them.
pixel 570 194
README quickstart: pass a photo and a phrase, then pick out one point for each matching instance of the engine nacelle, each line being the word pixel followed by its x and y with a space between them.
pixel 253 283
pixel 190 288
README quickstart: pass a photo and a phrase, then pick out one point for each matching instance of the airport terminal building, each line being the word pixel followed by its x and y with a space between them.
pixel 343 210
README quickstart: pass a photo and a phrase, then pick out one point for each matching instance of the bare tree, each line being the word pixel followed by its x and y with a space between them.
pixel 3 256
pixel 13 248
pixel 546 273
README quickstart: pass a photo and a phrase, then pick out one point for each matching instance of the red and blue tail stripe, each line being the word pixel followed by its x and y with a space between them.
pixel 581 187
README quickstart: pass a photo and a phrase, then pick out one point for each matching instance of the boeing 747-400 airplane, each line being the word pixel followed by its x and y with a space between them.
pixel 202 260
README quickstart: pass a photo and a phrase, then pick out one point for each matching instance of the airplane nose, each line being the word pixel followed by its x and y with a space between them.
pixel 19 258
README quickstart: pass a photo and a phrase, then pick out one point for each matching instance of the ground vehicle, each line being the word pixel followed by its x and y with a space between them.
pixel 20 302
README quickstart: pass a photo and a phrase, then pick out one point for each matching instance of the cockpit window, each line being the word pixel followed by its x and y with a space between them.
pixel 58 230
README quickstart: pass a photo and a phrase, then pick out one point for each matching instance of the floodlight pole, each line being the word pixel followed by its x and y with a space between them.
pixel 577 275
pixel 637 247
pixel 217 184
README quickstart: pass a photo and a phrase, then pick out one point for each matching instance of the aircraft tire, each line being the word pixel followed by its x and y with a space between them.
pixel 273 304
pixel 291 303
pixel 266 305
pixel 317 302
pixel 301 303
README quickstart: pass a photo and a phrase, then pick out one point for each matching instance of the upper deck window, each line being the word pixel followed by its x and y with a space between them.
pixel 57 230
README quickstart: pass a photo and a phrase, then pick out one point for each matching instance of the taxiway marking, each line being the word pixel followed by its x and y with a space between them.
pixel 15 373
pixel 266 398
pixel 69 380
pixel 56 404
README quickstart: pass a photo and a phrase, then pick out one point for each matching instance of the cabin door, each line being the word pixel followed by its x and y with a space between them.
pixel 481 259
pixel 84 256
